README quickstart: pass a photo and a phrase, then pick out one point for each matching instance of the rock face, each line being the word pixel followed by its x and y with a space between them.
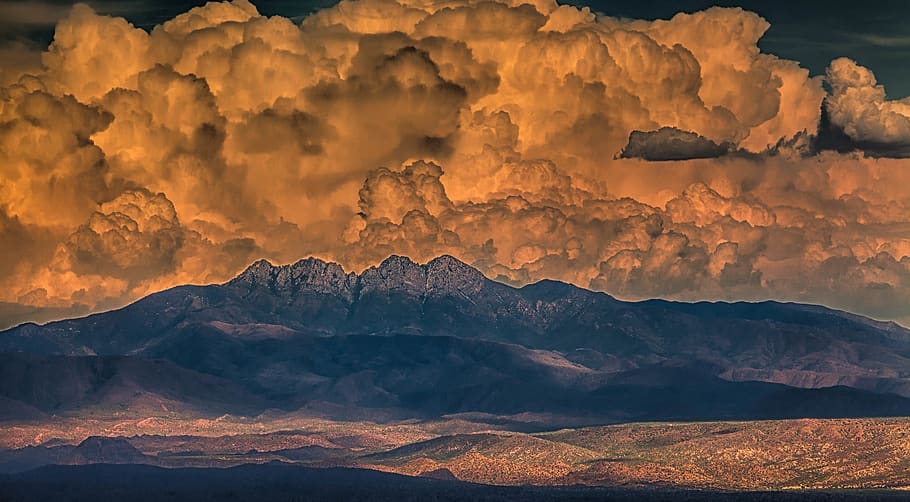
pixel 306 275
pixel 440 337
pixel 397 274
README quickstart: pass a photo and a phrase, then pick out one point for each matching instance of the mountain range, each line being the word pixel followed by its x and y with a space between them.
pixel 427 340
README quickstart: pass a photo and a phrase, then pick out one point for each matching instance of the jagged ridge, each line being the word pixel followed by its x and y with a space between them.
pixel 440 337
pixel 444 275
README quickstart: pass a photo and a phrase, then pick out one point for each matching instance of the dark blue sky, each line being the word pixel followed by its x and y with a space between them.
pixel 876 33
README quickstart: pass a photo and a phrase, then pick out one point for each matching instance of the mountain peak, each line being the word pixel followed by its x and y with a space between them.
pixel 440 276
pixel 443 275
pixel 447 274
pixel 310 273
pixel 396 272
pixel 101 449
pixel 450 262
pixel 448 341
pixel 397 262
pixel 258 272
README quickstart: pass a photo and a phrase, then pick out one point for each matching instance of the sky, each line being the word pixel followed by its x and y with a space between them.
pixel 681 150
pixel 812 32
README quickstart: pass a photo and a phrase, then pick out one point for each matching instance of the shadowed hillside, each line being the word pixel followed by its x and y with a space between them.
pixel 440 338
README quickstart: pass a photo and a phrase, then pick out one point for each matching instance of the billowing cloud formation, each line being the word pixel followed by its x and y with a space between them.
pixel 497 131
pixel 807 244
pixel 858 106
pixel 669 143
pixel 136 234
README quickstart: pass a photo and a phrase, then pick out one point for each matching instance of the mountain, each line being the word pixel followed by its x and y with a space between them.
pixel 13 314
pixel 92 450
pixel 60 384
pixel 778 455
pixel 441 338
pixel 281 482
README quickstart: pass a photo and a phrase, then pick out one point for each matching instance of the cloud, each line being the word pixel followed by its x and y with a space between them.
pixel 22 13
pixel 669 143
pixel 135 235
pixel 884 40
pixel 858 107
pixel 53 173
pixel 83 61
pixel 31 242
pixel 700 244
pixel 19 59
pixel 517 136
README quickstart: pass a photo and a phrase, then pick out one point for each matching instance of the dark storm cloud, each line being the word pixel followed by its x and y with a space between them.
pixel 670 143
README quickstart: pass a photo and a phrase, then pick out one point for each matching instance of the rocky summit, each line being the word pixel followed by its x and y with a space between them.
pixel 441 276
pixel 429 339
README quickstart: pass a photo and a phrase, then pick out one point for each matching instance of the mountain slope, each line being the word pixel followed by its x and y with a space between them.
pixel 441 338
pixel 115 385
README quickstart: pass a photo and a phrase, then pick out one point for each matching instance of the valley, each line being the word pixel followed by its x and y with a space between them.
pixel 749 456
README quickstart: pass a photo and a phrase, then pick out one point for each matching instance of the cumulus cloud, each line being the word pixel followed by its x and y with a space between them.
pixel 858 106
pixel 53 173
pixel 136 234
pixel 670 143
pixel 817 243
pixel 515 135
pixel 19 59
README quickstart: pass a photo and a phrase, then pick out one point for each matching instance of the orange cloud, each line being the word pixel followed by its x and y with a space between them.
pixel 494 131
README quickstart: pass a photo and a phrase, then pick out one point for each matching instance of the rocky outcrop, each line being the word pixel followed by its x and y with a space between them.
pixel 311 274
pixel 441 276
